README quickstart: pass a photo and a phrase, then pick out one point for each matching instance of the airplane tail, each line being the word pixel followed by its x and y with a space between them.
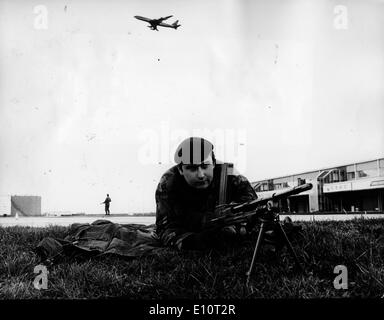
pixel 175 25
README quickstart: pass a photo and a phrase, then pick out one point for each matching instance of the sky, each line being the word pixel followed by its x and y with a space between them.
pixel 94 102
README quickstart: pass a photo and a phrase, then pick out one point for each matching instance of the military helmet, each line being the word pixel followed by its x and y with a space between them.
pixel 193 150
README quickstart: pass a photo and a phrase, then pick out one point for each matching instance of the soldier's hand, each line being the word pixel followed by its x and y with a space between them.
pixel 234 231
pixel 243 230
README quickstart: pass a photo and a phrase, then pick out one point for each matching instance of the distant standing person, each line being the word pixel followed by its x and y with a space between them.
pixel 106 202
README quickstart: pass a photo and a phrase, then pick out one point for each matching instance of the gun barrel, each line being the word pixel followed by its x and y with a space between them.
pixel 251 205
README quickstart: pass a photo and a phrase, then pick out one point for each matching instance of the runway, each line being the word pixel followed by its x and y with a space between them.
pixel 147 220
pixel 68 220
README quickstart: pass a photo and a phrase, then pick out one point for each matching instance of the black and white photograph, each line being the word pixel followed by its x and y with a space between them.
pixel 191 158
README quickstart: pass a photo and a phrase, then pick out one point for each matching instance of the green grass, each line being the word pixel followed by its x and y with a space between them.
pixel 357 244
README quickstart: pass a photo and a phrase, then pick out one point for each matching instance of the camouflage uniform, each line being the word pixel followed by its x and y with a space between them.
pixel 182 210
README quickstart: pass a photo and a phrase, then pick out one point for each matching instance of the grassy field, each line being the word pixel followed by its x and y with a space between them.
pixel 358 244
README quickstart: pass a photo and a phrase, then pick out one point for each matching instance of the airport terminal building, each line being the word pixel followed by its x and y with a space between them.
pixel 349 188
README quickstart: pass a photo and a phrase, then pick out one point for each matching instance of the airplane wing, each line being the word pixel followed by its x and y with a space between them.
pixel 143 18
pixel 165 18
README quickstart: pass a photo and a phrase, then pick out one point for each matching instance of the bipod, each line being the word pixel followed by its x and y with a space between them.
pixel 271 220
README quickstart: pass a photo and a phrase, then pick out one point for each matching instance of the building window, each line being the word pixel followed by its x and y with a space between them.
pixel 366 169
pixel 300 181
pixel 281 183
pixel 350 175
pixel 361 174
pixel 335 176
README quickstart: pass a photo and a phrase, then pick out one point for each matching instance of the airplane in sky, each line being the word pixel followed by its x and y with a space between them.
pixel 154 23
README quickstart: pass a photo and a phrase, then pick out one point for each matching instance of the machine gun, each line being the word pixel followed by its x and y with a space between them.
pixel 261 210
